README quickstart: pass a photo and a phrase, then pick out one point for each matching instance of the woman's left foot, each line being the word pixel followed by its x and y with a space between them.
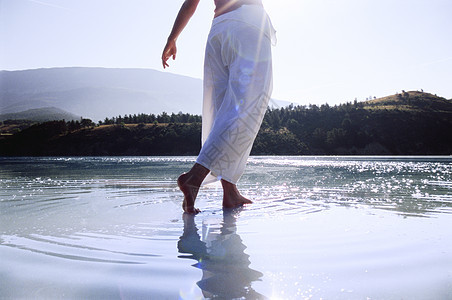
pixel 232 197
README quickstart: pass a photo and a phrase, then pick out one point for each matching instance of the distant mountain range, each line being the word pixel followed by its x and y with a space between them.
pixel 97 93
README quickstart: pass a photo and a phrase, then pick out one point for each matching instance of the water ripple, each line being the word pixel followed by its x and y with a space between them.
pixel 317 222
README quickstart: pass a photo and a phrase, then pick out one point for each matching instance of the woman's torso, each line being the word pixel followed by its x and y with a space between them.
pixel 224 6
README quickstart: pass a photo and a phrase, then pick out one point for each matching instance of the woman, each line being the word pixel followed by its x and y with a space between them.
pixel 237 88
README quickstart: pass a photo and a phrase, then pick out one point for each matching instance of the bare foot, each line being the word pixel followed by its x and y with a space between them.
pixel 235 201
pixel 189 184
pixel 232 197
pixel 190 192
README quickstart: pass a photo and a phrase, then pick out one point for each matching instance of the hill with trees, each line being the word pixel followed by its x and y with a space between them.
pixel 408 123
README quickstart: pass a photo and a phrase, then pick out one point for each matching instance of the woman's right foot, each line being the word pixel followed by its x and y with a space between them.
pixel 190 191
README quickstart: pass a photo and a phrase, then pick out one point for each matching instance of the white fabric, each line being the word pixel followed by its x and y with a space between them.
pixel 237 88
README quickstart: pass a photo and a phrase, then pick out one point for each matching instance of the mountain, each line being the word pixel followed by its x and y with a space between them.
pixel 97 93
pixel 40 115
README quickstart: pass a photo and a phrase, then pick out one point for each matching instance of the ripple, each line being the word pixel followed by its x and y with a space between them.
pixel 76 247
pixel 327 225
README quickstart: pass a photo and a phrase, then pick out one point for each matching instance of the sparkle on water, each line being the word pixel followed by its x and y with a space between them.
pixel 319 227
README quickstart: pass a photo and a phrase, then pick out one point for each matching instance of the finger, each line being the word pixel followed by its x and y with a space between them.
pixel 165 58
pixel 164 63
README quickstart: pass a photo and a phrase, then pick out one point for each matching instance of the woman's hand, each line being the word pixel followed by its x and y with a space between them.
pixel 169 51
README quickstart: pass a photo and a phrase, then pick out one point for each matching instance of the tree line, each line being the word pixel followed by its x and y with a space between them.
pixel 354 129
pixel 414 126
pixel 152 118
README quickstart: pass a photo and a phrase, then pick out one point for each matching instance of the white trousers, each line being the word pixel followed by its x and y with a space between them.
pixel 237 88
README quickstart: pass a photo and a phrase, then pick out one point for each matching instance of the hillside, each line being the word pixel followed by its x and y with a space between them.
pixel 392 125
pixel 411 123
pixel 40 115
pixel 411 101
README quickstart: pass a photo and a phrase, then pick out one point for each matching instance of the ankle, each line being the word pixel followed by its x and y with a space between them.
pixel 189 180
pixel 194 177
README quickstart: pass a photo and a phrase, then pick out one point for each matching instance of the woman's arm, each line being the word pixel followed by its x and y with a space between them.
pixel 185 13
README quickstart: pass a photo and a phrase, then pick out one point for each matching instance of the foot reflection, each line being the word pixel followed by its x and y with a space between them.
pixel 221 257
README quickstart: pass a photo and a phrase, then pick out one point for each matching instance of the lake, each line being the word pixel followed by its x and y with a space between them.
pixel 319 228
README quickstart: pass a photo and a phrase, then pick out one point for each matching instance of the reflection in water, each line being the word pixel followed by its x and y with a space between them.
pixel 221 257
pixel 105 227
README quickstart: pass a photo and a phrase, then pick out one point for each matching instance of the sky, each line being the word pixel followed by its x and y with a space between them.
pixel 328 51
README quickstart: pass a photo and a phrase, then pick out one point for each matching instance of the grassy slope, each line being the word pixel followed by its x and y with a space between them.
pixel 411 101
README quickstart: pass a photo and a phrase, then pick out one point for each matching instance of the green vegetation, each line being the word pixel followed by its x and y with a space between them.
pixel 146 119
pixel 410 123
pixel 60 138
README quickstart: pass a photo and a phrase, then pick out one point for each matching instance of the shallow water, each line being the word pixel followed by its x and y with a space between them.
pixel 320 227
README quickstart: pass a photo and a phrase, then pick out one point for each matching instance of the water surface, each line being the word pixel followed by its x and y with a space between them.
pixel 320 227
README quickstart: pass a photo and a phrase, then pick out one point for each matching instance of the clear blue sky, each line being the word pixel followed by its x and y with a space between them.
pixel 328 50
